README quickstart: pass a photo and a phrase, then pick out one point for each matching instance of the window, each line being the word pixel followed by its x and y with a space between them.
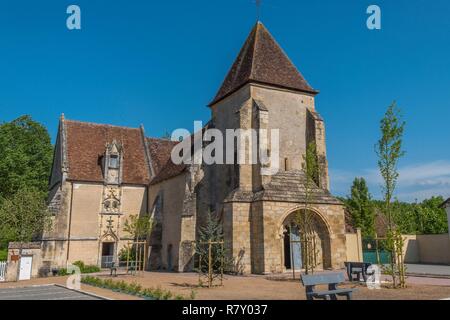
pixel 114 161
pixel 286 164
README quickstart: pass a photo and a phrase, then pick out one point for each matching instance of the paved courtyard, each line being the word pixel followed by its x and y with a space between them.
pixel 250 287
pixel 428 270
pixel 44 292
pixel 254 287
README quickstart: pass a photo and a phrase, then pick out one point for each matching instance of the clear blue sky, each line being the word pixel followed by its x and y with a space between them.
pixel 160 62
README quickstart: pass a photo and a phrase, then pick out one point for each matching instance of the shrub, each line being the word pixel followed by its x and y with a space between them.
pixel 91 269
pixel 63 272
pixel 133 289
pixel 86 268
pixel 79 264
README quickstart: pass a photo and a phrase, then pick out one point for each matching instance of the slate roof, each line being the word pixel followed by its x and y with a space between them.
pixel 446 203
pixel 261 60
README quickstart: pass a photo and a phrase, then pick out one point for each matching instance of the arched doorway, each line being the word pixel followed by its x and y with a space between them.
pixel 108 254
pixel 292 248
pixel 297 248
pixel 108 246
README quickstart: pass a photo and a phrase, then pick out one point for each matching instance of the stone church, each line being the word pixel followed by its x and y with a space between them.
pixel 102 174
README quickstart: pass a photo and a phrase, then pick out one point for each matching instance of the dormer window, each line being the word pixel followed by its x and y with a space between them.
pixel 114 161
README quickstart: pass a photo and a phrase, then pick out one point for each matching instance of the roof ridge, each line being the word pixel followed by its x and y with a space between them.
pixel 258 23
pixel 100 124
pixel 162 140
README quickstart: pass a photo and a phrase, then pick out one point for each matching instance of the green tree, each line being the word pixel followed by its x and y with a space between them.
pixel 24 216
pixel 26 156
pixel 389 151
pixel 210 249
pixel 404 216
pixel 418 218
pixel 432 218
pixel 138 227
pixel 361 207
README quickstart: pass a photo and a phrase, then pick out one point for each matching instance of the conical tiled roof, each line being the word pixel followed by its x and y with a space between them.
pixel 261 60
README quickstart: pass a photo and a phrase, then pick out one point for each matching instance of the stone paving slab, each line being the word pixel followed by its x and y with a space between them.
pixel 46 292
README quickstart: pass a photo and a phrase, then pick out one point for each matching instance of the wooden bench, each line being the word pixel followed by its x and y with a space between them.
pixel 332 280
pixel 359 269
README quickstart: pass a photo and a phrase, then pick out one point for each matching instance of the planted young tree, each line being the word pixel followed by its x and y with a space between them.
pixel 389 151
pixel 212 256
pixel 305 218
pixel 139 228
pixel 361 207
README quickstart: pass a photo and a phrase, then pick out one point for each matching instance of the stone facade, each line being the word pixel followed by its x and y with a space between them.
pixel 81 226
pixel 103 174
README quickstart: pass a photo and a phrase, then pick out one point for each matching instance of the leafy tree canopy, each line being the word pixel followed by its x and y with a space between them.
pixel 23 216
pixel 361 207
pixel 424 217
pixel 26 156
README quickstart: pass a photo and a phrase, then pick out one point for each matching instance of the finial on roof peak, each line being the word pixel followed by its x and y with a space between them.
pixel 258 9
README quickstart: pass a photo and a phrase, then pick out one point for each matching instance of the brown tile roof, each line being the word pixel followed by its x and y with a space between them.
pixel 160 151
pixel 86 143
pixel 262 60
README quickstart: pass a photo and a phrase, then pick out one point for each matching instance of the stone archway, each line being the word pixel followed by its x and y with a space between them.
pixel 293 247
pixel 107 252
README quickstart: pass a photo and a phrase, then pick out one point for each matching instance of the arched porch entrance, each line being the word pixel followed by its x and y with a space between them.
pixel 305 236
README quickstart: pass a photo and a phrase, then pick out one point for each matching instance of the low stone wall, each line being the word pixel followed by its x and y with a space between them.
pixel 354 246
pixel 427 249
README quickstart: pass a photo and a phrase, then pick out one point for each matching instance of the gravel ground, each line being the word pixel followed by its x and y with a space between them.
pixel 260 288
pixel 245 288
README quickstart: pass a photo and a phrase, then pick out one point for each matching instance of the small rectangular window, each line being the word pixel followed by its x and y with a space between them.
pixel 114 162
